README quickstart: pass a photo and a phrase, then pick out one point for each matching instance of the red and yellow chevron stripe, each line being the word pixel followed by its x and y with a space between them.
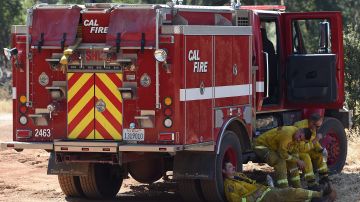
pixel 84 119
pixel 108 124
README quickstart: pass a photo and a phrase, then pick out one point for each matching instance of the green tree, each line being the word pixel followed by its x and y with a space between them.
pixel 10 14
pixel 352 71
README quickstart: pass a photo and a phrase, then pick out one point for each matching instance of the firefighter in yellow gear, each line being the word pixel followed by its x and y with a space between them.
pixel 279 148
pixel 311 151
pixel 240 188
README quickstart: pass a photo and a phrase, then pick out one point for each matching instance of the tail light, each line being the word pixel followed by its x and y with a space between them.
pixel 168 111
pixel 22 99
pixel 23 133
pixel 23 120
pixel 165 137
pixel 168 122
pixel 168 101
pixel 23 109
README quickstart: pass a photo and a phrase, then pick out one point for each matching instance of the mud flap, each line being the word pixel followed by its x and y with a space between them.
pixel 74 169
pixel 194 165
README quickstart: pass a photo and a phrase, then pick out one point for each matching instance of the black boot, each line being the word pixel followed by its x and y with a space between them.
pixel 329 194
pixel 312 185
pixel 326 188
pixel 324 178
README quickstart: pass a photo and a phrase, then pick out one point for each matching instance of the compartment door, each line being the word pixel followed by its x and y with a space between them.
pixel 314 60
pixel 80 101
pixel 108 106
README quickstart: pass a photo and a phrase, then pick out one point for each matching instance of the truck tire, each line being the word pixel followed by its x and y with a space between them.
pixel 335 142
pixel 190 190
pixel 102 181
pixel 147 171
pixel 70 185
pixel 230 150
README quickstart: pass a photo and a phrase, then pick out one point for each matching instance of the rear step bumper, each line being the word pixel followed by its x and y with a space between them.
pixel 26 145
pixel 104 147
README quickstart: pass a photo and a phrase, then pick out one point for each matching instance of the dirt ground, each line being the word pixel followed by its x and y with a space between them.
pixel 23 177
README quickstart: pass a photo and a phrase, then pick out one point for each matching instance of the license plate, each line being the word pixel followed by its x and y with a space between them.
pixel 134 134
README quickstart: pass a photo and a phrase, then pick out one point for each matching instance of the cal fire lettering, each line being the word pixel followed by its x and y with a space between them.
pixel 95 28
pixel 198 65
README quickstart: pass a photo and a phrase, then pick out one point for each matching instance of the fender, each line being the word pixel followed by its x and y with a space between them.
pixel 223 129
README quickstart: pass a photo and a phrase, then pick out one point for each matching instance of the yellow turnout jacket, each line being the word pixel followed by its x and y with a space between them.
pixel 242 188
pixel 307 146
pixel 281 141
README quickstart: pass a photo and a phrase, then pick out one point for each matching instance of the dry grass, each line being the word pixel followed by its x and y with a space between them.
pixel 347 182
pixel 5 106
pixel 4 93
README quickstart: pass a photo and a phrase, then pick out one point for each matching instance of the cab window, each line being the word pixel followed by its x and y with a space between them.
pixel 308 37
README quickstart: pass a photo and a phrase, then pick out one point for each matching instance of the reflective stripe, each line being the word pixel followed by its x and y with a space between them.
pixel 262 196
pixel 243 199
pixel 310 194
pixel 283 181
pixel 260 147
pixel 324 167
pixel 296 178
pixel 293 170
pixel 309 174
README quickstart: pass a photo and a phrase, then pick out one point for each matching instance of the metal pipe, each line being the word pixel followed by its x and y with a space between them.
pixel 28 22
pixel 157 85
pixel 267 74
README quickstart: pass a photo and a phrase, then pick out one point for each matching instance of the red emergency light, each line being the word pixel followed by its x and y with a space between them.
pixel 166 137
pixel 23 133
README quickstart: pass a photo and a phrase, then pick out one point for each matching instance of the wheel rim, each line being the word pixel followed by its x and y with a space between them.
pixel 332 144
pixel 230 156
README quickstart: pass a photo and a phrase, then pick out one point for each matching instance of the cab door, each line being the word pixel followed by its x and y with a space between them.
pixel 267 64
pixel 314 70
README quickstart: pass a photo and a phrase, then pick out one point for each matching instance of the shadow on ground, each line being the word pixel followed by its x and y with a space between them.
pixel 159 191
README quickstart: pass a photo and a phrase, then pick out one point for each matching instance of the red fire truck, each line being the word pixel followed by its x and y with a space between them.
pixel 115 89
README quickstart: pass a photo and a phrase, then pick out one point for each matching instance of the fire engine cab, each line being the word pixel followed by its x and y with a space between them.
pixel 116 89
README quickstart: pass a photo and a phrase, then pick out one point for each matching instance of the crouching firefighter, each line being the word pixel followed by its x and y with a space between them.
pixel 239 188
pixel 312 153
pixel 279 148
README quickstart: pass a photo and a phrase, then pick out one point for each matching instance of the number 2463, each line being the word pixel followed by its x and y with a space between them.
pixel 42 133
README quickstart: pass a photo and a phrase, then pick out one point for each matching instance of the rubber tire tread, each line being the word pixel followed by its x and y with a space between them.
pixel 333 123
pixel 88 184
pixel 190 190
pixel 70 185
pixel 210 188
pixel 140 170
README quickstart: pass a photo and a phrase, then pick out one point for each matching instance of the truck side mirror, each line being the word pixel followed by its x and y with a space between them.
pixel 324 39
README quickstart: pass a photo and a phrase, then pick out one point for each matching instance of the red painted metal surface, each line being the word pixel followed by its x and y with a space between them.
pixel 138 22
pixel 198 110
pixel 335 20
pixel 94 26
pixel 203 18
pixel 264 7
pixel 193 120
